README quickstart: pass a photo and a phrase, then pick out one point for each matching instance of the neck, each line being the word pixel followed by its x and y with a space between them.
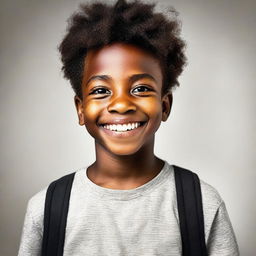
pixel 117 169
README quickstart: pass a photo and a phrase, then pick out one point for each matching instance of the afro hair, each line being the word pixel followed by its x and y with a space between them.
pixel 99 24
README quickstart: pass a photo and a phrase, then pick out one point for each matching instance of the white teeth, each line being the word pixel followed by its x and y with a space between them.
pixel 121 127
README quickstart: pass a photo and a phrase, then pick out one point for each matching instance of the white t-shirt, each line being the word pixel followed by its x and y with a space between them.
pixel 142 221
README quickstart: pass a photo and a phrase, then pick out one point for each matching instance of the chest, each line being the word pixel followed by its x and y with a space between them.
pixel 145 225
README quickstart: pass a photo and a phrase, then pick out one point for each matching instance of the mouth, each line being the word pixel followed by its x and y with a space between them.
pixel 123 130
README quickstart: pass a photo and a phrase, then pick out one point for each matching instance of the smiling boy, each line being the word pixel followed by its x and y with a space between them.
pixel 122 62
pixel 122 108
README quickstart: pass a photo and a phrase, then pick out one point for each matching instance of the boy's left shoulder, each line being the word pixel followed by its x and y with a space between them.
pixel 210 195
pixel 219 232
pixel 212 204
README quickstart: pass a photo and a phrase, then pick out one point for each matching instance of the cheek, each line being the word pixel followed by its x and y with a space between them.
pixel 153 108
pixel 92 109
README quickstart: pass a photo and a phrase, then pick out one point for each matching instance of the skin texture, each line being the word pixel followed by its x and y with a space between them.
pixel 114 89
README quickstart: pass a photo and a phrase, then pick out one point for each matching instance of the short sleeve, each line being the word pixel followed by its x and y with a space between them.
pixel 222 240
pixel 31 238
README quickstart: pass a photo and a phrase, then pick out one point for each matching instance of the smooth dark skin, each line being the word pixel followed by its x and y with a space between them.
pixel 123 163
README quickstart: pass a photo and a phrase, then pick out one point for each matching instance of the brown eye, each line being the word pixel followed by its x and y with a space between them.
pixel 142 89
pixel 100 91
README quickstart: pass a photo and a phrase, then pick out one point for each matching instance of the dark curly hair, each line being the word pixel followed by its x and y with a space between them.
pixel 98 24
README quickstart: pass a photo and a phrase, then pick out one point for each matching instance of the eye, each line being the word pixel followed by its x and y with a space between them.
pixel 100 90
pixel 142 89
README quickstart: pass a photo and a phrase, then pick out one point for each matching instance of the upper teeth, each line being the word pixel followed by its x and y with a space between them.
pixel 121 127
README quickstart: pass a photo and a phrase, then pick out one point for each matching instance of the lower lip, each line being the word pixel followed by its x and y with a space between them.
pixel 124 134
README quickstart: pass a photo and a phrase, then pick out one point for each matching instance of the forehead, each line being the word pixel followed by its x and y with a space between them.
pixel 121 59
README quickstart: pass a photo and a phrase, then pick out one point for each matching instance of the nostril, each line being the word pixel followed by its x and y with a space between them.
pixel 121 106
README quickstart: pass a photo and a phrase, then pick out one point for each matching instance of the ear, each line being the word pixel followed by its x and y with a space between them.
pixel 79 110
pixel 166 105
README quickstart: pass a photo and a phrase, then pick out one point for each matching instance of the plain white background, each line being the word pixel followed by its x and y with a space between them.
pixel 211 129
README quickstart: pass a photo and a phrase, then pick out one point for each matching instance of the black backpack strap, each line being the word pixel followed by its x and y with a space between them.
pixel 55 215
pixel 189 200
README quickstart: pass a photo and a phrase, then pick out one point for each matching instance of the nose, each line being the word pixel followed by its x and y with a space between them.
pixel 121 105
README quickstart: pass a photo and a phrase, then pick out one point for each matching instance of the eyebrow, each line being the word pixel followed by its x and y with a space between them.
pixel 132 78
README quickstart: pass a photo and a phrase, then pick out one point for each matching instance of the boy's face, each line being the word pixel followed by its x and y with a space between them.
pixel 122 84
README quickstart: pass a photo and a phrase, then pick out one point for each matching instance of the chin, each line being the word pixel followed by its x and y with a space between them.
pixel 124 150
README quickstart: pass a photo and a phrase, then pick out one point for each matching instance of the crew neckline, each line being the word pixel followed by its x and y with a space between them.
pixel 126 194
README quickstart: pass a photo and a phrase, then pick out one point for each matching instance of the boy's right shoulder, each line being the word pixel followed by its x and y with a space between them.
pixel 37 199
pixel 35 206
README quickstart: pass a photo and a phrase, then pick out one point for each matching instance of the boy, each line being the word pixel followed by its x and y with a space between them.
pixel 122 62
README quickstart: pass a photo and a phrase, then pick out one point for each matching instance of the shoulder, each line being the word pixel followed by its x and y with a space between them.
pixel 35 207
pixel 211 200
pixel 36 202
pixel 219 232
pixel 32 232
pixel 210 195
pixel 212 204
